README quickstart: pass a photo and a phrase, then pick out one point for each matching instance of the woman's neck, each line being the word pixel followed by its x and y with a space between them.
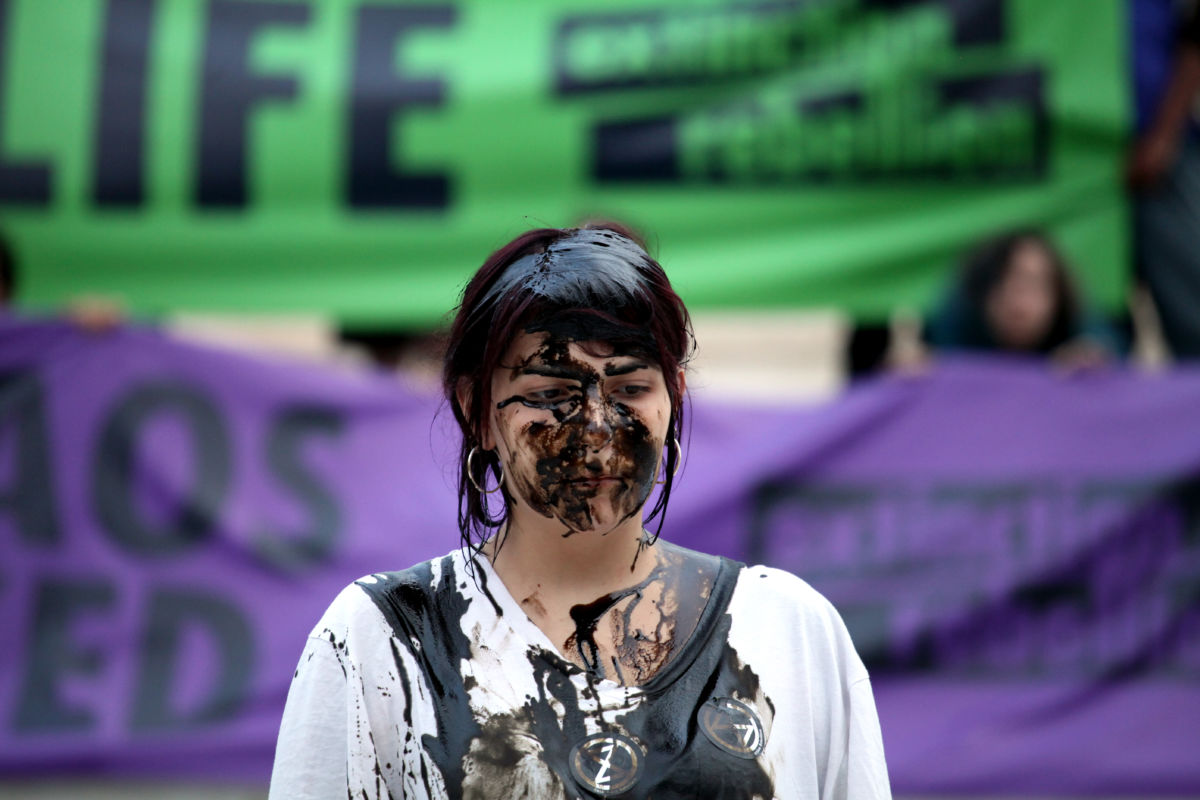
pixel 615 622
pixel 584 564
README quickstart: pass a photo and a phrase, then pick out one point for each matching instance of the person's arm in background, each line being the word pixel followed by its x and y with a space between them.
pixel 1156 150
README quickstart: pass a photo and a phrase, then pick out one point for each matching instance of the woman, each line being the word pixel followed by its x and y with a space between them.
pixel 565 651
pixel 1016 295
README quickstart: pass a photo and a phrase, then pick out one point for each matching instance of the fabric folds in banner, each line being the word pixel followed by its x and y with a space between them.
pixel 1016 552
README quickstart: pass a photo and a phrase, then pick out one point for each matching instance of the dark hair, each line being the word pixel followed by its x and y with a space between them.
pixel 988 265
pixel 598 283
pixel 8 272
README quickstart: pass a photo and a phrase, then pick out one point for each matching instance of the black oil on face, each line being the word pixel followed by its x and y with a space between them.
pixel 581 428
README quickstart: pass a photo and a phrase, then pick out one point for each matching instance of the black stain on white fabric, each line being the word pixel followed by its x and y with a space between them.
pixel 526 752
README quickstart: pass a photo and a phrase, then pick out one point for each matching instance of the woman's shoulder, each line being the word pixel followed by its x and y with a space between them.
pixel 776 609
pixel 419 580
pixel 787 596
pixel 379 598
pixel 772 580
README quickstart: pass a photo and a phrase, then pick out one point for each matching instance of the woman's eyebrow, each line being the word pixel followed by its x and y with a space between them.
pixel 549 371
pixel 611 370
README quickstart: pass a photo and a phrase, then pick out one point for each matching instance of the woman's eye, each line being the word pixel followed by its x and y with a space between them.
pixel 550 397
pixel 632 390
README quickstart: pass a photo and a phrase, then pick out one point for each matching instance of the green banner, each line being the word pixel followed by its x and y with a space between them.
pixel 361 157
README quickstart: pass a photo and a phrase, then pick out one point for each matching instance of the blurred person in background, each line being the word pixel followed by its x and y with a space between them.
pixel 8 274
pixel 95 313
pixel 413 353
pixel 1015 294
pixel 1163 167
pixel 563 650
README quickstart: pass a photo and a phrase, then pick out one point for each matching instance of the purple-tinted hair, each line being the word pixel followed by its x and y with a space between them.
pixel 597 279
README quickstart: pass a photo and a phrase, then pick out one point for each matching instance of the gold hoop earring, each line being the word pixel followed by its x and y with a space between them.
pixel 678 461
pixel 471 475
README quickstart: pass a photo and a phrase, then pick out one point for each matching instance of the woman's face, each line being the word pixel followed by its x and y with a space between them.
pixel 1020 308
pixel 579 433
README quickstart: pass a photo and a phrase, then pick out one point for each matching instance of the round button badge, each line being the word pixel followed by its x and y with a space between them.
pixel 733 727
pixel 607 764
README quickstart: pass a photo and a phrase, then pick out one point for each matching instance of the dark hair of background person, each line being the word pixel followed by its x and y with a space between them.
pixel 961 321
pixel 987 265
pixel 8 272
pixel 486 323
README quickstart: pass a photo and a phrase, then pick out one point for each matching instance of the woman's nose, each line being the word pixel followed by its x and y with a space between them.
pixel 597 427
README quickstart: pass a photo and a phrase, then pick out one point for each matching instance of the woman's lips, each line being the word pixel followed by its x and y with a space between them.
pixel 597 482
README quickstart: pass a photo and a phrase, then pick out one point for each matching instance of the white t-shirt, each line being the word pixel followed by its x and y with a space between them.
pixel 430 683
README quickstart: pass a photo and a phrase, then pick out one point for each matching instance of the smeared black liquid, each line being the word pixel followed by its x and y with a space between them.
pixel 680 761
pixel 684 582
pixel 430 616
pixel 566 458
pixel 587 616
pixel 585 269
pixel 644 541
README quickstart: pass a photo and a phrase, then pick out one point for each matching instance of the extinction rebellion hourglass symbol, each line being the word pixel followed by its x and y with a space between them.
pixel 733 727
pixel 607 764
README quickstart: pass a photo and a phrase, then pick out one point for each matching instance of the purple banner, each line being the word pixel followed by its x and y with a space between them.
pixel 1017 553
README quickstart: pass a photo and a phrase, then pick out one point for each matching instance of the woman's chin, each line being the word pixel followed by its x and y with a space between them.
pixel 603 521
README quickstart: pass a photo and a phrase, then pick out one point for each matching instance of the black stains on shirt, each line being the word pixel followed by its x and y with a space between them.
pixel 526 751
pixel 426 618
